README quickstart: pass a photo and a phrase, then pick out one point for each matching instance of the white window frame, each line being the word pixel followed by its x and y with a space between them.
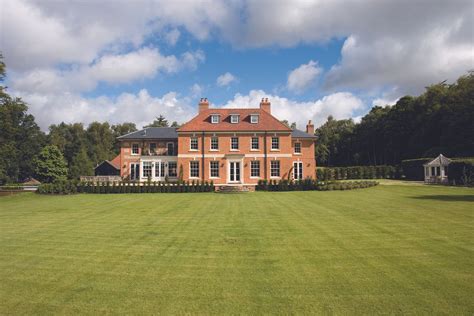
pixel 215 118
pixel 272 168
pixel 252 168
pixel 191 163
pixel 191 144
pixel 254 118
pixel 300 163
pixel 231 143
pixel 214 169
pixel 138 149
pixel 299 146
pixel 147 164
pixel 150 149
pixel 234 118
pixel 251 143
pixel 169 168
pixel 217 139
pixel 277 142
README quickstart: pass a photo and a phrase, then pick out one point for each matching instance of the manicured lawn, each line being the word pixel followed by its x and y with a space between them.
pixel 389 249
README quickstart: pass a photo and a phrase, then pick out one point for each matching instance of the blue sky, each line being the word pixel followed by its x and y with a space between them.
pixel 84 61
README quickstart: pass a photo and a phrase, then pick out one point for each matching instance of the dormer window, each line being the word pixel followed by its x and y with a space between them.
pixel 215 118
pixel 254 118
pixel 234 118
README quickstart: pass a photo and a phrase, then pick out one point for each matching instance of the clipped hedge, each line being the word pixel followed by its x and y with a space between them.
pixel 146 187
pixel 312 185
pixel 58 187
pixel 357 172
pixel 413 168
pixel 461 172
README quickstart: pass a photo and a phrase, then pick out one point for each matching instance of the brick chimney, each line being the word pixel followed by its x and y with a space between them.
pixel 203 105
pixel 310 128
pixel 266 105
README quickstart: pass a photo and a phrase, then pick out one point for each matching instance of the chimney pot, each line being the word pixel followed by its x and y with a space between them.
pixel 203 105
pixel 265 105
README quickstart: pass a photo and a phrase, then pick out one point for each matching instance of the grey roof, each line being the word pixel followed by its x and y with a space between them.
pixel 152 133
pixel 439 161
pixel 296 133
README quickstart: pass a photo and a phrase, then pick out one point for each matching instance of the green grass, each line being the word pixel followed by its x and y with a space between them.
pixel 388 249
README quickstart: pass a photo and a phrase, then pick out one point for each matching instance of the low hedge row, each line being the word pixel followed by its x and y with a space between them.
pixel 413 168
pixel 58 187
pixel 146 187
pixel 312 185
pixel 358 172
pixel 461 172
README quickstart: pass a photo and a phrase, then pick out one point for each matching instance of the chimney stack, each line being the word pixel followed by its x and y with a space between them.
pixel 310 128
pixel 265 105
pixel 203 105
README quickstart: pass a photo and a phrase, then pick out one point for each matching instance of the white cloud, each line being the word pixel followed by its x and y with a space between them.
pixel 302 77
pixel 340 105
pixel 172 37
pixel 196 90
pixel 225 79
pixel 140 108
pixel 136 65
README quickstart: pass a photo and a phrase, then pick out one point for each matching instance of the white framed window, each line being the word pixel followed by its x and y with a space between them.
pixel 234 143
pixel 275 168
pixel 170 149
pixel 194 169
pixel 254 118
pixel 135 149
pixel 298 148
pixel 194 143
pixel 255 169
pixel 172 169
pixel 147 167
pixel 254 143
pixel 159 169
pixel 215 118
pixel 275 143
pixel 297 170
pixel 214 169
pixel 234 118
pixel 214 143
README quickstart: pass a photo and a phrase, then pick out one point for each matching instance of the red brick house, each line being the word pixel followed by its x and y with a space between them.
pixel 227 146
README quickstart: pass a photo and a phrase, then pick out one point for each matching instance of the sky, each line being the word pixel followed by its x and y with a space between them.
pixel 130 61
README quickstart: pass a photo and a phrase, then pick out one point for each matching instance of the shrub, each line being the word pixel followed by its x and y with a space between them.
pixel 461 172
pixel 58 187
pixel 413 168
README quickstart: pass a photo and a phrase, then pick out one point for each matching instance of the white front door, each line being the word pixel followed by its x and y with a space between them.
pixel 134 171
pixel 297 170
pixel 234 171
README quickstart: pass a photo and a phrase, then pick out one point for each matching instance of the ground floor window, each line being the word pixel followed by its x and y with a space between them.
pixel 214 168
pixel 134 171
pixel 194 169
pixel 255 168
pixel 298 170
pixel 147 166
pixel 172 169
pixel 275 168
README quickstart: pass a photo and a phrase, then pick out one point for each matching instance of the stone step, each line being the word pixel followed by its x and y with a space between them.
pixel 232 189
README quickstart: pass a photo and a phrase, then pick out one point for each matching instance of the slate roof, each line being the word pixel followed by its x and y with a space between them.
pixel 296 133
pixel 152 133
pixel 439 161
pixel 202 121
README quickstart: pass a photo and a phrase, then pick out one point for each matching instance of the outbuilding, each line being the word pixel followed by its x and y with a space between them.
pixel 436 171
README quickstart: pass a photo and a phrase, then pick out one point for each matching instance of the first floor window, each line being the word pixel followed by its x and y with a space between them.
pixel 135 149
pixel 214 143
pixel 234 143
pixel 194 143
pixel 275 143
pixel 297 148
pixel 275 168
pixel 147 166
pixel 214 167
pixel 255 143
pixel 172 169
pixel 194 169
pixel 170 147
pixel 255 168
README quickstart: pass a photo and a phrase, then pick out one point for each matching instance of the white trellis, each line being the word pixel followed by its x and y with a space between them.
pixel 436 171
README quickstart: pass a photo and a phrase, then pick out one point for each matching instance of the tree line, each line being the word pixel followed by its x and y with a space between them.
pixel 441 120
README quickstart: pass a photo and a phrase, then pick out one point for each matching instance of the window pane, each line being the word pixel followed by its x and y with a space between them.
pixel 135 149
pixel 147 166
pixel 255 168
pixel 275 168
pixel 214 143
pixel 255 143
pixel 194 169
pixel 214 167
pixel 275 143
pixel 194 143
pixel 172 169
pixel 297 148
pixel 234 143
